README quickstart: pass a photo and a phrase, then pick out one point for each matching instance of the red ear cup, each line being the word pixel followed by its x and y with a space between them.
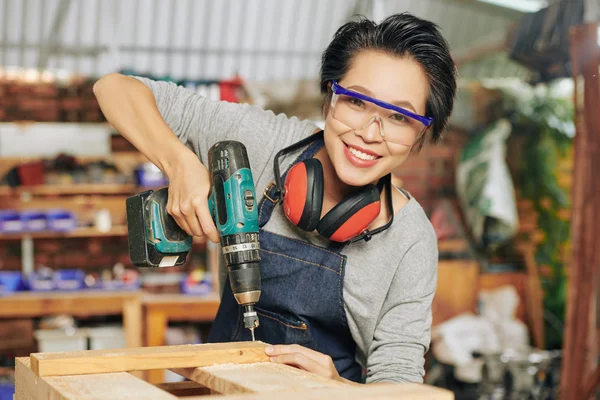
pixel 303 194
pixel 352 216
pixel 303 203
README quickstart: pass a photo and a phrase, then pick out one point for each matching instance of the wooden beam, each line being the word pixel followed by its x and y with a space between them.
pixel 579 357
pixel 256 378
pixel 535 296
pixel 146 358
pixel 113 386
pixel 591 385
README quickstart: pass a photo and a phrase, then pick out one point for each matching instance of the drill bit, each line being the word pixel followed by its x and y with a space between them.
pixel 252 332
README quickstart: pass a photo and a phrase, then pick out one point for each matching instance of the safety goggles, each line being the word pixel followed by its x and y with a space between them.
pixel 358 111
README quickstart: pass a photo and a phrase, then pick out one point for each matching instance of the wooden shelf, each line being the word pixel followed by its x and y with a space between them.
pixel 74 189
pixel 78 232
pixel 453 246
pixel 79 304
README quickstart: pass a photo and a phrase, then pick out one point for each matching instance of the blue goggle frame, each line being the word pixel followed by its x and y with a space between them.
pixel 337 89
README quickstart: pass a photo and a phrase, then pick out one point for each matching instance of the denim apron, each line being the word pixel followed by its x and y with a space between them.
pixel 302 295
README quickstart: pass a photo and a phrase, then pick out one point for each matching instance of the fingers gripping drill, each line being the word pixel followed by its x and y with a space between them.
pixel 232 203
pixel 155 239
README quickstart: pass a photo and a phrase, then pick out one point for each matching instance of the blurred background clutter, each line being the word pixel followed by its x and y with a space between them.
pixel 510 189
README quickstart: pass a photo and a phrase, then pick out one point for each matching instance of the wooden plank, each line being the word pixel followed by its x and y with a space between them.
pixel 374 391
pixel 113 386
pixel 256 378
pixel 146 358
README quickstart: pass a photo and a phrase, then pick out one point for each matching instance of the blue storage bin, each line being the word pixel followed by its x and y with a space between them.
pixel 68 279
pixel 10 221
pixel 59 220
pixel 10 282
pixel 202 288
pixel 6 391
pixel 40 282
pixel 33 220
pixel 150 176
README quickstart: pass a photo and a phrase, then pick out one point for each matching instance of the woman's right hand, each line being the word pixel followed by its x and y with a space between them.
pixel 189 187
pixel 130 107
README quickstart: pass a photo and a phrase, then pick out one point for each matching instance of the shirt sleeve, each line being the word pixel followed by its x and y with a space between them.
pixel 403 333
pixel 200 122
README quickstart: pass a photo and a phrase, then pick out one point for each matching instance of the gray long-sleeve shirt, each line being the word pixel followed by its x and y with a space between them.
pixel 389 281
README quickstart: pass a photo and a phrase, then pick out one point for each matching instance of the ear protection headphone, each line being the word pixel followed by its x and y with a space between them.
pixel 302 199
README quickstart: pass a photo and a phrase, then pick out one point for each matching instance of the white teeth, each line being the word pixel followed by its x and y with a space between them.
pixel 361 155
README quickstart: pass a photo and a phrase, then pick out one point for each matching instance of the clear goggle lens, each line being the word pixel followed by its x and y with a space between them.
pixel 359 114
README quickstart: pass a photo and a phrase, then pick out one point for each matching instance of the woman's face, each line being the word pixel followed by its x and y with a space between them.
pixel 395 80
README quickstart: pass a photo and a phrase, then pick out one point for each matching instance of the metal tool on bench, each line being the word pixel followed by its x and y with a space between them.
pixel 156 240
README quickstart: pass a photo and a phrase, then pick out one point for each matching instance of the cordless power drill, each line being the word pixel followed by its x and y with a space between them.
pixel 232 203
pixel 156 240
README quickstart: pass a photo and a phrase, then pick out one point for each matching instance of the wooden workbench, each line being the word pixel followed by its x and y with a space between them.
pixel 159 309
pixel 80 304
pixel 239 370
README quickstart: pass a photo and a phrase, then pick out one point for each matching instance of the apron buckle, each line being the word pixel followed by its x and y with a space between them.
pixel 266 193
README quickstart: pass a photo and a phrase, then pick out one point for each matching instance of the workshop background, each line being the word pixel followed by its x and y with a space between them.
pixel 509 189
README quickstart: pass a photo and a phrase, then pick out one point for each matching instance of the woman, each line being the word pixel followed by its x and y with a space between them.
pixel 333 304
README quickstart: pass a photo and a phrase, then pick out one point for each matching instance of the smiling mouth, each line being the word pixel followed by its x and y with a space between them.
pixel 361 155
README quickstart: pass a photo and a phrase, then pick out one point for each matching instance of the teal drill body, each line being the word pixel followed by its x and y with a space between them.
pixel 232 203
pixel 238 218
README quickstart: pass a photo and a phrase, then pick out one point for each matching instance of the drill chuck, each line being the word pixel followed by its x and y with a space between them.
pixel 241 248
pixel 250 317
pixel 241 252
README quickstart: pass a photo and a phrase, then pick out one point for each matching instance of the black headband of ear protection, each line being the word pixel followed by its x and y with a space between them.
pixel 385 181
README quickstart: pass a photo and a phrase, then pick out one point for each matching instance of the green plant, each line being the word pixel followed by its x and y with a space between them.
pixel 545 122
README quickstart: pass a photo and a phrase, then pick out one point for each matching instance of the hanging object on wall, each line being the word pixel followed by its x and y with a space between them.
pixel 485 188
pixel 541 41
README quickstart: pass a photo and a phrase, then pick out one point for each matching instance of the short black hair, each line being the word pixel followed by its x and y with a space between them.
pixel 401 35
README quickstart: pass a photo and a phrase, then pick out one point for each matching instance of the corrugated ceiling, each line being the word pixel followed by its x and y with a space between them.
pixel 206 39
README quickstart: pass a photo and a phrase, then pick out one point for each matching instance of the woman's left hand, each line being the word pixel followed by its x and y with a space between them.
pixel 304 358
